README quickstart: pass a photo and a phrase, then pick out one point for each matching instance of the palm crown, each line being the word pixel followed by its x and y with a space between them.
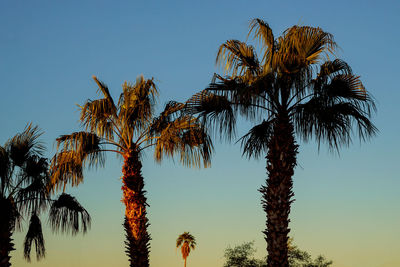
pixel 292 89
pixel 127 128
pixel 187 242
pixel 323 99
pixel 24 193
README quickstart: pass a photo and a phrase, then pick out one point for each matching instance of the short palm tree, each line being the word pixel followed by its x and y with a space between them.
pixel 187 242
pixel 127 128
pixel 24 193
pixel 292 89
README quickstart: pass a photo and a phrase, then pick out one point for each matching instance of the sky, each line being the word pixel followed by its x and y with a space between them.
pixel 346 207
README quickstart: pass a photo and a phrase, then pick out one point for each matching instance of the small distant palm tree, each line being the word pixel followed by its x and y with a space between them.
pixel 24 184
pixel 187 242
pixel 127 128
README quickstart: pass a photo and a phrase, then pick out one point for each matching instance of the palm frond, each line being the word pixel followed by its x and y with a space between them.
pixel 332 122
pixel 66 167
pixel 249 98
pixel 67 215
pixel 136 104
pixel 33 197
pixel 96 117
pixel 171 111
pixel 104 89
pixel 87 146
pixel 214 112
pixel 25 145
pixel 329 68
pixel 34 168
pixel 184 136
pixel 255 142
pixel 238 58
pixel 309 43
pixel 34 235
pixel 346 86
pixel 263 33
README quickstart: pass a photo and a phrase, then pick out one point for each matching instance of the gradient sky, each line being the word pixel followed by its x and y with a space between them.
pixel 346 208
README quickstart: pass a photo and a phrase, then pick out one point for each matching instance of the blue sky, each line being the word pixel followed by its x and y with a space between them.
pixel 346 207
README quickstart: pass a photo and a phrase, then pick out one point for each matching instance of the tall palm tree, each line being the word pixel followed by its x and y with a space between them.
pixel 24 193
pixel 292 90
pixel 187 242
pixel 127 128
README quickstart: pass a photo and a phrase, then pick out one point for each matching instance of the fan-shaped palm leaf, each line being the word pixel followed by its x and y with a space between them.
pixel 67 215
pixel 238 58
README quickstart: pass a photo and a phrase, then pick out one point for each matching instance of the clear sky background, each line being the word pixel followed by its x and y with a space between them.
pixel 346 208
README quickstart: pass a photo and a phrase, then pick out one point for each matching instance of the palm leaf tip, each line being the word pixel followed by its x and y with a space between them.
pixel 66 214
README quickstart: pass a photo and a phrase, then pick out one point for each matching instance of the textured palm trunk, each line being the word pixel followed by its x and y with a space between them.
pixel 185 263
pixel 6 227
pixel 137 238
pixel 277 194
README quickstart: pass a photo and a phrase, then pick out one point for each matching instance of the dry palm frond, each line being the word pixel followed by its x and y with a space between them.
pixel 185 136
pixel 67 215
pixel 66 167
pixel 86 146
pixel 34 235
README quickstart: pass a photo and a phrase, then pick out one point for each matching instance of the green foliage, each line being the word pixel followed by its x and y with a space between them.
pixel 242 256
pixel 300 258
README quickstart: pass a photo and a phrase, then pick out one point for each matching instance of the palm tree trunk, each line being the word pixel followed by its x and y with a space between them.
pixel 277 193
pixel 185 263
pixel 137 238
pixel 6 228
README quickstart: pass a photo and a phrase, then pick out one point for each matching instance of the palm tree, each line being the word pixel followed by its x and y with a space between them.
pixel 187 242
pixel 293 89
pixel 24 184
pixel 128 128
